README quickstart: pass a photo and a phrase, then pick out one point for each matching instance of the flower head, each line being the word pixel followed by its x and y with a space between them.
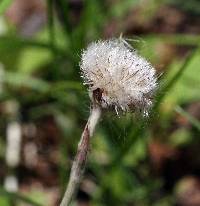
pixel 117 76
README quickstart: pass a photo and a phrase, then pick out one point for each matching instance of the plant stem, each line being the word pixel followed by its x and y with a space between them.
pixel 79 162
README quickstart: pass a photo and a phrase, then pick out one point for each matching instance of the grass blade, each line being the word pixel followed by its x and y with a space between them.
pixel 17 196
pixel 163 92
pixel 18 42
pixel 195 122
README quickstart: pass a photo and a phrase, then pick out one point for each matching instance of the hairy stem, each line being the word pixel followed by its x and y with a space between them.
pixel 79 162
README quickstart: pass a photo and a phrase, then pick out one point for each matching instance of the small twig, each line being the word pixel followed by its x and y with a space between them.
pixel 81 156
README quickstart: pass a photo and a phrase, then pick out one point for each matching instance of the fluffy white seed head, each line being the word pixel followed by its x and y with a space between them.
pixel 117 76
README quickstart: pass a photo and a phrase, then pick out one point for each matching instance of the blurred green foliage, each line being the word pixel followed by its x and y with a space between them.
pixel 42 74
pixel 4 5
pixel 192 6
